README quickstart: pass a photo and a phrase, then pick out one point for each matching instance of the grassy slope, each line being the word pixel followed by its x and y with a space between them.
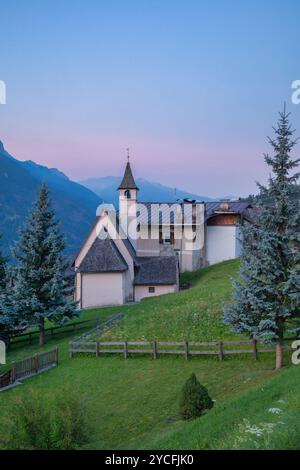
pixel 134 403
pixel 194 314
pixel 265 418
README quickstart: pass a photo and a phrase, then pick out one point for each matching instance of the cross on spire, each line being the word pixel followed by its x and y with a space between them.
pixel 128 154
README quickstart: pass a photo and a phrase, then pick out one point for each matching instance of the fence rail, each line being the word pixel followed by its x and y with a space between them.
pixel 52 331
pixel 156 348
pixel 28 367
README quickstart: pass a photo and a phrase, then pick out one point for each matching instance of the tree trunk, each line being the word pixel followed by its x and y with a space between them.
pixel 42 334
pixel 279 354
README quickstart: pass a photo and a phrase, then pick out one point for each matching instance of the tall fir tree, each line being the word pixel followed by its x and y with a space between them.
pixel 8 317
pixel 4 318
pixel 2 269
pixel 40 290
pixel 266 297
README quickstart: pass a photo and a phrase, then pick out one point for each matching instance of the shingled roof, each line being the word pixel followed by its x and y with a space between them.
pixel 211 209
pixel 158 270
pixel 234 207
pixel 102 257
pixel 128 180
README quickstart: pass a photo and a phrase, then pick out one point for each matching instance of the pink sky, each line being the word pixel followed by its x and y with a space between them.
pixel 212 169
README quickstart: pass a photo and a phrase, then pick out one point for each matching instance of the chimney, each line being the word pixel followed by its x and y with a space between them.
pixel 224 206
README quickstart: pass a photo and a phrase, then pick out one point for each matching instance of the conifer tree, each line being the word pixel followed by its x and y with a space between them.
pixel 2 269
pixel 266 297
pixel 40 291
pixel 4 318
pixel 194 400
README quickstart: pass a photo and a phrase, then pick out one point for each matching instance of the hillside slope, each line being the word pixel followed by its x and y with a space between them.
pixel 133 404
pixel 186 315
pixel 265 418
pixel 19 183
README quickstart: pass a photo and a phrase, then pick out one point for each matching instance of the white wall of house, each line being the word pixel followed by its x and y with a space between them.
pixel 128 275
pixel 143 291
pixel 221 243
pixel 101 289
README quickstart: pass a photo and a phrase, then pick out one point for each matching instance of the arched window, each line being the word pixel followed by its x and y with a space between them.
pixel 127 194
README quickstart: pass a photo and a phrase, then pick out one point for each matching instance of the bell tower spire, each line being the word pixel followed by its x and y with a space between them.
pixel 127 198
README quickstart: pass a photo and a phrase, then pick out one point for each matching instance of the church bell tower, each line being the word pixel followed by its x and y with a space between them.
pixel 127 200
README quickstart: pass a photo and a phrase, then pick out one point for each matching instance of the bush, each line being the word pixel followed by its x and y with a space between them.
pixel 195 399
pixel 38 423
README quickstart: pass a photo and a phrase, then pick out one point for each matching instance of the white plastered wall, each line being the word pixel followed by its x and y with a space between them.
pixel 221 243
pixel 101 289
pixel 143 291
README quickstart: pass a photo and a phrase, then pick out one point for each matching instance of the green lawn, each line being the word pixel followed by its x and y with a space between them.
pixel 193 314
pixel 265 417
pixel 133 404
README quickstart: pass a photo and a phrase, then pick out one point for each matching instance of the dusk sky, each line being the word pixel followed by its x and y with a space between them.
pixel 192 87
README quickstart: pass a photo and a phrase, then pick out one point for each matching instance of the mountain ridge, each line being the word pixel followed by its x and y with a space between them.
pixel 149 191
pixel 75 205
pixel 75 202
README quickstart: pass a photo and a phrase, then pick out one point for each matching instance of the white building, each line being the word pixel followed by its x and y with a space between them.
pixel 146 261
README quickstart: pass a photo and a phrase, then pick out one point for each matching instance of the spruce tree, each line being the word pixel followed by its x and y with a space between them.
pixel 4 318
pixel 40 290
pixel 2 269
pixel 266 297
pixel 194 400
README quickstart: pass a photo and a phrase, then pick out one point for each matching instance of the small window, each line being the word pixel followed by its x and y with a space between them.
pixel 151 290
pixel 167 240
pixel 166 237
pixel 127 194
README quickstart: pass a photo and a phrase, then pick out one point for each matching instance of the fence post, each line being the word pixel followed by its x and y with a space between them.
pixel 125 350
pixel 30 338
pixel 13 372
pixel 70 351
pixel 221 353
pixel 186 349
pixel 155 349
pixel 36 363
pixel 255 352
pixel 97 348
pixel 56 355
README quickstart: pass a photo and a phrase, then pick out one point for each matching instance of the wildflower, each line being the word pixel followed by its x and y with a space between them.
pixel 275 411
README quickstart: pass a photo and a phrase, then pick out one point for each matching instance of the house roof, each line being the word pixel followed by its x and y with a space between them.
pixel 211 209
pixel 234 207
pixel 128 179
pixel 103 256
pixel 158 270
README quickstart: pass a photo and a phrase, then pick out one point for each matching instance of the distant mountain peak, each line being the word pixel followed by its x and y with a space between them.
pixel 1 147
pixel 105 187
pixel 38 170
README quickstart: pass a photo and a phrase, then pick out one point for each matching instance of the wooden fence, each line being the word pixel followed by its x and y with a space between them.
pixel 156 348
pixel 28 367
pixel 52 331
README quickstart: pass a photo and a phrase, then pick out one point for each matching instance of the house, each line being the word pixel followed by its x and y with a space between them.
pixel 139 250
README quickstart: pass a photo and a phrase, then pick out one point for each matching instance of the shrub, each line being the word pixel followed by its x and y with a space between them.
pixel 71 427
pixel 195 399
pixel 40 423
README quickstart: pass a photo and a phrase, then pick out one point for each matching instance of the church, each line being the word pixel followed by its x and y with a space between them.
pixel 140 250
